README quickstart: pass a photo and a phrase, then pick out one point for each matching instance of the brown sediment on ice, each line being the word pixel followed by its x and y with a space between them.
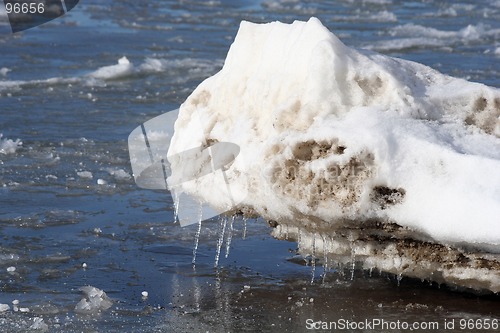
pixel 398 250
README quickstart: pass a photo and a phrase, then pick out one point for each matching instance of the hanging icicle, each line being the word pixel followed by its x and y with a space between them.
pixel 220 240
pixel 229 235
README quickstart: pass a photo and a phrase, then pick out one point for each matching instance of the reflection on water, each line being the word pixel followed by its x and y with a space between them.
pixel 71 215
pixel 264 284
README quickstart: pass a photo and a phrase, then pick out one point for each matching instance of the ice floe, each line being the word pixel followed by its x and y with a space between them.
pixel 94 301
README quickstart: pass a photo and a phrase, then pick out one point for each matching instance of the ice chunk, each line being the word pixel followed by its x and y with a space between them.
pixel 4 307
pixel 4 71
pixel 8 146
pixel 330 135
pixel 122 69
pixel 85 174
pixel 119 174
pixel 39 325
pixel 394 249
pixel 94 301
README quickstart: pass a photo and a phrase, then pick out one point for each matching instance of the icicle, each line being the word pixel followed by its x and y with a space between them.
pixel 176 206
pixel 313 259
pixel 325 260
pixel 229 235
pixel 353 261
pixel 220 240
pixel 197 235
pixel 286 232
pixel 299 236
pixel 371 270
pixel 244 227
pixel 399 278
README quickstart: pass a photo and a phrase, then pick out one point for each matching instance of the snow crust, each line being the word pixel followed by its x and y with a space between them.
pixel 330 135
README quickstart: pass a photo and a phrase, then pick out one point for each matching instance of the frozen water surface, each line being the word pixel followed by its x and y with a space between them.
pixel 72 219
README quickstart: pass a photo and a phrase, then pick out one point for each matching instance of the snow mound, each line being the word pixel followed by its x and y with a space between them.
pixel 328 133
pixel 330 136
pixel 94 301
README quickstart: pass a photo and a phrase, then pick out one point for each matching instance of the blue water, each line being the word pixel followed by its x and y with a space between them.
pixel 53 220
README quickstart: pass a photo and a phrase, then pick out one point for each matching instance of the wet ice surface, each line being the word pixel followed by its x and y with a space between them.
pixel 71 216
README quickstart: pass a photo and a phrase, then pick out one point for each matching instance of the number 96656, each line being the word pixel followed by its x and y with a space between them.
pixel 25 8
pixel 479 324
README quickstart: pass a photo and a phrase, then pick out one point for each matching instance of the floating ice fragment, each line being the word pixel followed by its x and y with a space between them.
pixel 39 325
pixel 145 294
pixel 4 307
pixel 119 174
pixel 4 71
pixel 11 269
pixel 113 72
pixel 85 174
pixel 8 146
pixel 95 301
pixel 101 182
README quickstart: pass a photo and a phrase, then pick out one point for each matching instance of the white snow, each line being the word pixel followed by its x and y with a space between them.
pixel 94 301
pixel 329 135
